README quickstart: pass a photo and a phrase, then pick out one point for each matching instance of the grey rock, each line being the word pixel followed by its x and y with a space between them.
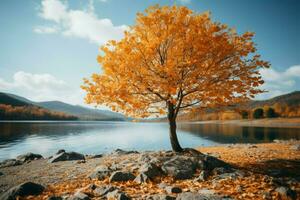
pixel 96 156
pixel 121 176
pixel 123 152
pixel 295 147
pixel 173 189
pixel 209 163
pixel 160 197
pixel 276 172
pixel 180 167
pixel 141 178
pixel 145 158
pixel 100 173
pixel 150 169
pixel 162 185
pixel 24 189
pixel 10 162
pixel 79 196
pixel 64 156
pixel 80 161
pixel 103 190
pixel 220 170
pixel 115 167
pixel 92 186
pixel 198 196
pixel 116 194
pixel 233 175
pixel 206 192
pixel 202 176
pixel 29 156
pixel 1 174
pixel 60 151
pixel 286 193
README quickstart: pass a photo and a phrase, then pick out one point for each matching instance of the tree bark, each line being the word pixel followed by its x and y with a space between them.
pixel 172 129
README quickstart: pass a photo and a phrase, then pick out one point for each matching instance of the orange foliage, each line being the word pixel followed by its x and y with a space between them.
pixel 175 57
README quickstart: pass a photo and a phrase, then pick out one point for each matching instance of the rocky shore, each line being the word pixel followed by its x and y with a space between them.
pixel 237 171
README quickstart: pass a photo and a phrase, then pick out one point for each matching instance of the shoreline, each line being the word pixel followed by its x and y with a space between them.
pixel 261 163
pixel 267 122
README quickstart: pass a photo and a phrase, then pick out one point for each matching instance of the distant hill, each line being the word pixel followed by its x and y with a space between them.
pixel 287 105
pixel 290 99
pixel 13 108
pixel 7 99
pixel 57 106
pixel 82 112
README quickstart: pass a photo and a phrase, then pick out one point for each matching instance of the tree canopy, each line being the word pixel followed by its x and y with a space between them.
pixel 175 57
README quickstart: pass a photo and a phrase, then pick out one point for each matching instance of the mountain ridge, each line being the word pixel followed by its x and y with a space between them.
pixel 82 112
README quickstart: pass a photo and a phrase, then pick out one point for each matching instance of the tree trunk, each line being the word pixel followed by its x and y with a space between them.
pixel 172 123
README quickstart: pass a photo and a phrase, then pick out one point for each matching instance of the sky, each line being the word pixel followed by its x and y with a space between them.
pixel 49 46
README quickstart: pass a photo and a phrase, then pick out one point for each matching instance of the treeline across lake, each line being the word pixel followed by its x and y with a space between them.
pixel 285 106
pixel 273 111
pixel 8 112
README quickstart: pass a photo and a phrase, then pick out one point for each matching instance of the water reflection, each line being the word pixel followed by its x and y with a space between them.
pixel 238 134
pixel 97 137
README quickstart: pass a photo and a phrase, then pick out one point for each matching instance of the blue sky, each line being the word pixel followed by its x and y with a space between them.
pixel 49 46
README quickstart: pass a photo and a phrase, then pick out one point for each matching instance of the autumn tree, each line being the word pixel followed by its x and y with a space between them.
pixel 173 60
pixel 258 113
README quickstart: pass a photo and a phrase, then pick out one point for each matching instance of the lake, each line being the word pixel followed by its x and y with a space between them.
pixel 46 137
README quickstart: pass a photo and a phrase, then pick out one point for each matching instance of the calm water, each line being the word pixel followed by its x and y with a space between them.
pixel 98 137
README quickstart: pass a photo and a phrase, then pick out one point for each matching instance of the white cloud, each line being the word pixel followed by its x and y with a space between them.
pixel 42 87
pixel 279 82
pixel 45 29
pixel 37 81
pixel 53 10
pixel 78 23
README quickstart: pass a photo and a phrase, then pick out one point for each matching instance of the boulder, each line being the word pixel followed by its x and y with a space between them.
pixel 209 163
pixel 122 152
pixel 121 176
pixel 286 193
pixel 150 170
pixel 202 176
pixel 29 156
pixel 100 173
pixel 96 156
pixel 220 170
pixel 10 162
pixel 64 156
pixel 60 151
pixel 117 195
pixel 180 167
pixel 22 190
pixel 79 196
pixel 173 189
pixel 141 178
pixel 103 190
